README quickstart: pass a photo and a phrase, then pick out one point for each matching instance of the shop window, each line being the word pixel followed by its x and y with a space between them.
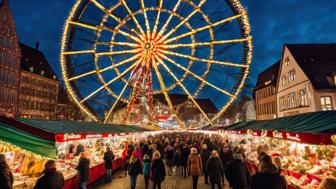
pixel 326 103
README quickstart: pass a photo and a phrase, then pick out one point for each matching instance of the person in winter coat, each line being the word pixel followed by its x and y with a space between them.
pixel 146 168
pixel 215 169
pixel 237 173
pixel 177 160
pixel 205 154
pixel 108 159
pixel 6 176
pixel 51 178
pixel 184 159
pixel 83 169
pixel 134 169
pixel 226 155
pixel 268 177
pixel 328 183
pixel 158 171
pixel 170 150
pixel 194 166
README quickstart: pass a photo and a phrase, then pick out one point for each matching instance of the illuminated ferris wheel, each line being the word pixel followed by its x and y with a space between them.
pixel 119 54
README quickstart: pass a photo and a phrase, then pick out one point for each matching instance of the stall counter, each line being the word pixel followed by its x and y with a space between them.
pixel 96 173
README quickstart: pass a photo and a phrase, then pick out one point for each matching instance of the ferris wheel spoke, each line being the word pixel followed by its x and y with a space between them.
pixel 203 60
pixel 118 43
pixel 115 103
pixel 110 82
pixel 195 75
pixel 157 18
pixel 202 28
pixel 184 89
pixel 183 22
pixel 96 28
pixel 133 17
pixel 163 29
pixel 105 69
pixel 148 32
pixel 133 51
pixel 221 42
pixel 78 52
pixel 165 93
pixel 109 12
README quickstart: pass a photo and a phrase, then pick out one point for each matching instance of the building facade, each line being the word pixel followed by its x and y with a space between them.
pixel 9 63
pixel 66 109
pixel 38 87
pixel 307 79
pixel 265 93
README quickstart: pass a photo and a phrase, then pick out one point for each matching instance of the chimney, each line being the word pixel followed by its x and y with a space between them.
pixel 37 45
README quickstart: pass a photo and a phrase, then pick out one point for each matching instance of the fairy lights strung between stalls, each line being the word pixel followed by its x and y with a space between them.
pixel 150 48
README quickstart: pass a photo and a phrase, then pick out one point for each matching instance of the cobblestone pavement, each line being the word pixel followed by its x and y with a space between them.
pixel 171 182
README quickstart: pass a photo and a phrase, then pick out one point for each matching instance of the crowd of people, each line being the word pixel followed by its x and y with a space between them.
pixel 183 154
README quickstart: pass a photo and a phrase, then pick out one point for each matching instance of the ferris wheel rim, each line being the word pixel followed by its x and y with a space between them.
pixel 247 48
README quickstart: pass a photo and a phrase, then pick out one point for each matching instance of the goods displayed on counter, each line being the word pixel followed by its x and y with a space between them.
pixel 303 165
pixel 27 167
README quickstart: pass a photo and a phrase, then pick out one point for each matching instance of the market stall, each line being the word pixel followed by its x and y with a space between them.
pixel 304 145
pixel 29 143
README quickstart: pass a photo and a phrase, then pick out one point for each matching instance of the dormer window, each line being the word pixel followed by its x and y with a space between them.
pixel 31 69
pixel 54 76
pixel 287 61
pixel 42 73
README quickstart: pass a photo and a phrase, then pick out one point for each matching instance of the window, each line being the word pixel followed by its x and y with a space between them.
pixel 291 100
pixel 284 80
pixel 326 103
pixel 282 103
pixel 287 61
pixel 303 98
pixel 291 76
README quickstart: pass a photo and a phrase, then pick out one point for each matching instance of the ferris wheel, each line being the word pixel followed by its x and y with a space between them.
pixel 119 54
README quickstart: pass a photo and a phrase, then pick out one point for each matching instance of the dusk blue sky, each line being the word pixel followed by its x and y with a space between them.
pixel 274 23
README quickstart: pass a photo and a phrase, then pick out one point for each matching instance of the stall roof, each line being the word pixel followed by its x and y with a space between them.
pixel 78 127
pixel 316 122
pixel 27 141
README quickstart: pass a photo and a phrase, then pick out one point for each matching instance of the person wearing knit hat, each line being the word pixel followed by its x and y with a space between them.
pixel 237 173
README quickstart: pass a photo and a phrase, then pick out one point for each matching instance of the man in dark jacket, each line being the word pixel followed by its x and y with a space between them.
pixel 6 176
pixel 225 155
pixel 205 154
pixel 50 179
pixel 184 159
pixel 237 173
pixel 268 177
pixel 215 170
pixel 108 158
pixel 83 169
